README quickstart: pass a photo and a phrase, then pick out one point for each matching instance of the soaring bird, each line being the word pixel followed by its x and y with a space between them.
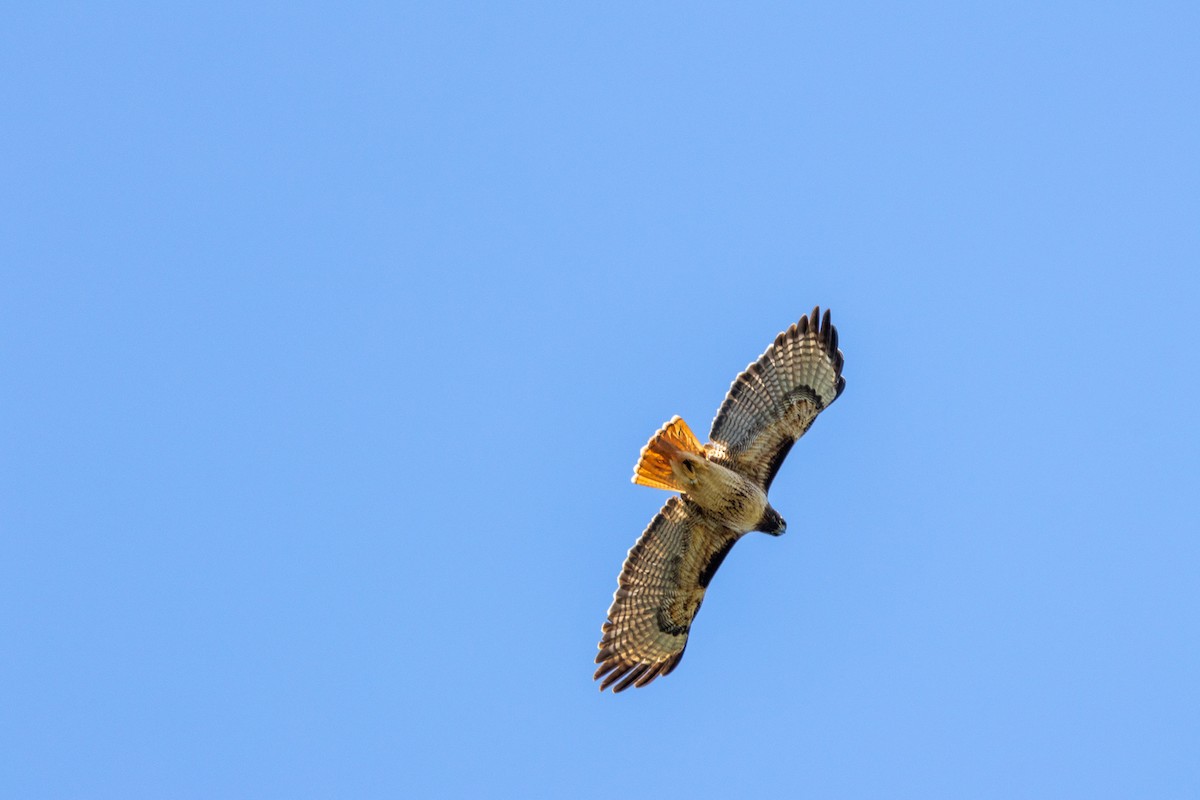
pixel 723 487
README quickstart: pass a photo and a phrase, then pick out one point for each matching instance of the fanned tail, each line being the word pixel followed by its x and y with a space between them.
pixel 654 464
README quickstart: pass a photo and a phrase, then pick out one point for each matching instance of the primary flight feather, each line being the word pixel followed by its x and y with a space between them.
pixel 723 488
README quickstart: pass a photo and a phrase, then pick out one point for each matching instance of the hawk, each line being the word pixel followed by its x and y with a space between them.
pixel 723 486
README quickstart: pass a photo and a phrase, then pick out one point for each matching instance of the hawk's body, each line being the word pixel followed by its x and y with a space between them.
pixel 724 486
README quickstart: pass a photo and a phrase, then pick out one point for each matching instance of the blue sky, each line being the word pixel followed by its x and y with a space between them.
pixel 330 336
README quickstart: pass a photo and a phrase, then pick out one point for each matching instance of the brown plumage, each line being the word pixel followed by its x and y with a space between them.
pixel 724 486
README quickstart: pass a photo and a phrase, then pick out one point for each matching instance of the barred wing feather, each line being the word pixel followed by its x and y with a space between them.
pixel 661 587
pixel 775 400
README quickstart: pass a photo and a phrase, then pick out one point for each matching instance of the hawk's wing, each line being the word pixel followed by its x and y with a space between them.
pixel 658 593
pixel 772 403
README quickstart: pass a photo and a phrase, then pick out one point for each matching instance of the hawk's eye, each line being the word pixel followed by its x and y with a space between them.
pixel 688 466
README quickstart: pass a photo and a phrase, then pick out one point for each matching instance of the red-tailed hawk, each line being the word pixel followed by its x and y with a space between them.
pixel 724 487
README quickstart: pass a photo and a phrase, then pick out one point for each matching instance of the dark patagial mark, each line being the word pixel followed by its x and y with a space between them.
pixel 777 462
pixel 714 562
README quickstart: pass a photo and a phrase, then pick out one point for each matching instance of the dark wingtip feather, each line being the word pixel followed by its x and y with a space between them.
pixel 616 675
pixel 827 334
pixel 650 674
pixel 636 674
pixel 633 675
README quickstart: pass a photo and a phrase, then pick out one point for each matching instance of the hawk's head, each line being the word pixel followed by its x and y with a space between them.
pixel 771 523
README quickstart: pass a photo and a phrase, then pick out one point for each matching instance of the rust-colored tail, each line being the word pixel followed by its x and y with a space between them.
pixel 654 464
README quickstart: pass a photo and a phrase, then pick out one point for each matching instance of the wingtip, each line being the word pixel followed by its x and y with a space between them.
pixel 618 676
pixel 827 334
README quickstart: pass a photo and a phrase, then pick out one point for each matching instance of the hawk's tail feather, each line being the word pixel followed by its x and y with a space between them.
pixel 654 464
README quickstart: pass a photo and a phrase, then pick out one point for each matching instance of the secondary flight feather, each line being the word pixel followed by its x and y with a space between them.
pixel 723 488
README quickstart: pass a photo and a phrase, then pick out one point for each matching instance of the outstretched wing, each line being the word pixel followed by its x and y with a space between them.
pixel 772 403
pixel 658 593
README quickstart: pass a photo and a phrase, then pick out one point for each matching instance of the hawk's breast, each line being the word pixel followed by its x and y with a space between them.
pixel 730 497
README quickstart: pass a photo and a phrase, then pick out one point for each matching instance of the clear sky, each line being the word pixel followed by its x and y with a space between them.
pixel 330 335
